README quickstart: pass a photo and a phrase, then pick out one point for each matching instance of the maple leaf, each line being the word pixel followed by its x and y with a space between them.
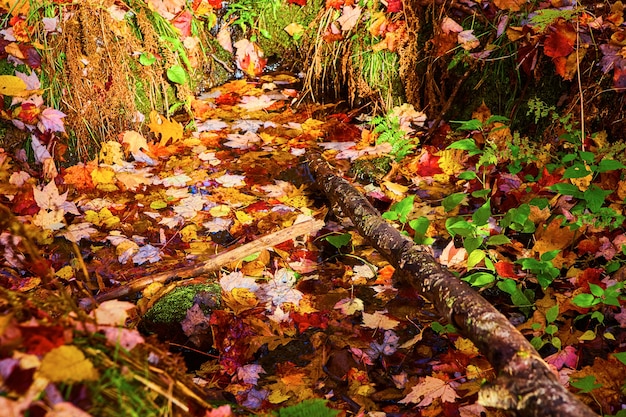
pixel 566 357
pixel 78 231
pixel 48 198
pixel 467 40
pixel 113 312
pixel 217 225
pixel 512 5
pixel 254 103
pixel 79 176
pixel 190 206
pixel 236 279
pixel 182 22
pixel 294 29
pixel 111 153
pixel 224 39
pixel 349 306
pixel 349 17
pixel 378 320
pixel 249 57
pixel 51 120
pixel 244 141
pixel 211 125
pixel 250 374
pixel 560 41
pixel 394 6
pixel 231 180
pixel 179 180
pixel 147 253
pixel 41 152
pixel 388 346
pixel 279 289
pixel 427 390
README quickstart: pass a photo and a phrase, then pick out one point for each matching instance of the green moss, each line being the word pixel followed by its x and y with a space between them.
pixel 373 169
pixel 173 307
pixel 275 16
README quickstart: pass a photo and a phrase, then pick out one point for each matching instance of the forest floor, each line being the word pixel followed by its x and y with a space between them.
pixel 537 230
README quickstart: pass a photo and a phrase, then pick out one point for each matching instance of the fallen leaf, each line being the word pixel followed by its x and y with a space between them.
pixel 67 364
pixel 429 389
pixel 349 306
pixel 167 129
pixel 378 320
pixel 349 17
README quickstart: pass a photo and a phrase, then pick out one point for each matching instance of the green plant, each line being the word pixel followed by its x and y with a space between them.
pixel 522 298
pixel 610 296
pixel 388 128
pixel 551 328
pixel 475 233
pixel 542 268
pixel 308 408
pixel 400 211
pixel 338 240
pixel 442 329
pixel 590 208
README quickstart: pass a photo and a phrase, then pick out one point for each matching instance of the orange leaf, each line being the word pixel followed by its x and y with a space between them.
pixel 167 129
pixel 560 41
pixel 512 5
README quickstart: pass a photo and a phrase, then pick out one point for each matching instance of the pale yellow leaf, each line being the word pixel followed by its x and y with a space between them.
pixel 67 364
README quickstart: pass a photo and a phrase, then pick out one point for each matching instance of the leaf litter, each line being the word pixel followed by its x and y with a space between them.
pixel 303 319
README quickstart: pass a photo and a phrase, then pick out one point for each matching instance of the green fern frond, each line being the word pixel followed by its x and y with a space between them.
pixel 308 408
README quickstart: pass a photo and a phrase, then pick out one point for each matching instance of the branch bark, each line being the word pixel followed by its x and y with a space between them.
pixel 214 263
pixel 525 383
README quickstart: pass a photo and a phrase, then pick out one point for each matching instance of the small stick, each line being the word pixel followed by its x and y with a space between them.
pixel 214 263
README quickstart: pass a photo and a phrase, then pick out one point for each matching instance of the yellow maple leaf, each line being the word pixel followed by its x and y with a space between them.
pixel 67 363
pixel 243 217
pixel 189 233
pixel 167 129
pixel 103 178
pixel 111 153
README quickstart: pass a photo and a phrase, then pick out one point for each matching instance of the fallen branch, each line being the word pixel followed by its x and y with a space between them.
pixel 525 384
pixel 214 263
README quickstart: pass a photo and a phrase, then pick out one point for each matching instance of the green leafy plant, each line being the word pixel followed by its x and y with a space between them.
pixel 442 329
pixel 388 128
pixel 308 408
pixel 590 209
pixel 549 332
pixel 475 233
pixel 522 298
pixel 400 212
pixel 542 268
pixel 585 384
pixel 610 296
pixel 338 240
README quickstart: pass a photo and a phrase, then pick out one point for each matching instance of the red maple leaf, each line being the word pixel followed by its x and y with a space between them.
pixel 298 2
pixel 305 320
pixel 428 165
pixel 394 6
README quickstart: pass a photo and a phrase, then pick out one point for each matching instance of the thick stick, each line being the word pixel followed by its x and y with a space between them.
pixel 525 384
pixel 216 262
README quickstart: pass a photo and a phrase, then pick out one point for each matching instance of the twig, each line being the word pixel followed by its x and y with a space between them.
pixel 214 263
